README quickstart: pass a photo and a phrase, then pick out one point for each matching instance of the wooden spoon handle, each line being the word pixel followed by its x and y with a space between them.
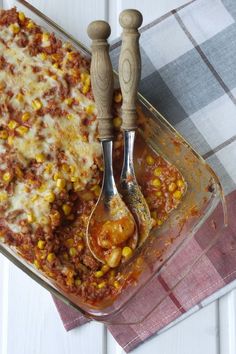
pixel 130 66
pixel 102 77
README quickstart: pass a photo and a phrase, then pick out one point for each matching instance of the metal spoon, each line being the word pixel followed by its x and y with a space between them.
pixel 129 76
pixel 110 208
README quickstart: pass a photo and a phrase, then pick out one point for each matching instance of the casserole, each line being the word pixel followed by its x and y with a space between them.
pixel 201 198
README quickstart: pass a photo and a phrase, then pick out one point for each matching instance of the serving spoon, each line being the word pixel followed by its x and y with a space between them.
pixel 129 76
pixel 111 222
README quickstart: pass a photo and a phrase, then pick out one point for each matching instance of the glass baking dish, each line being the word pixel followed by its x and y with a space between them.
pixel 203 197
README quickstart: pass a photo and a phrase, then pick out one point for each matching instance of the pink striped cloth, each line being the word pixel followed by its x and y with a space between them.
pixel 189 74
pixel 210 272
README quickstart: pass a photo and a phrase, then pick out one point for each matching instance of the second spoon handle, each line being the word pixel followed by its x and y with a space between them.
pixel 130 66
pixel 102 77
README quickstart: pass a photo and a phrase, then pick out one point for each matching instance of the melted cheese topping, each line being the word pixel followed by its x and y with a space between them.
pixel 56 140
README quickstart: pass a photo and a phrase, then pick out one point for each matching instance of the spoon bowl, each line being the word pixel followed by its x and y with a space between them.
pixel 111 224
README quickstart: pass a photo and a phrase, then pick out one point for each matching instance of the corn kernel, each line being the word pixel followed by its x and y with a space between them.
pixel 69 116
pixel 7 177
pixel 80 246
pixel 14 28
pixel 69 242
pixel 40 158
pixel 89 109
pixel 43 56
pixel 41 244
pixel 30 217
pixel 117 122
pixel 156 182
pixel 150 160
pixel 18 172
pixel 61 183
pixel 154 214
pixel 172 187
pixel 36 264
pixel 73 179
pixel 34 198
pixel 50 197
pixel 21 16
pixel 55 65
pixel 127 252
pixel 112 274
pixel 99 274
pixel 30 25
pixel 70 281
pixel 101 285
pixel 159 194
pixel 3 134
pixel 180 183
pixel 96 190
pixel 56 176
pixel 72 251
pixel 72 168
pixel 88 81
pixel 66 209
pixel 157 171
pixel 44 220
pixel 48 168
pixel 42 188
pixel 65 168
pixel 20 97
pixel 12 124
pixel 85 89
pixel 25 117
pixel 118 97
pixel 22 130
pixel 116 284
pixel 84 76
pixel 68 101
pixel 45 37
pixel 177 194
pixel 78 282
pixel 10 140
pixel 70 55
pixel 113 259
pixel 37 104
pixel 87 196
pixel 159 222
pixel 51 257
pixel 54 77
pixel 3 196
pixel 105 268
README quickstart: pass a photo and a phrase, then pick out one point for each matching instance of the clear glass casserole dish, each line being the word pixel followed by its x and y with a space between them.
pixel 204 193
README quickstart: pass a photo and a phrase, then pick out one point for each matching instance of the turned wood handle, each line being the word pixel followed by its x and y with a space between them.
pixel 102 77
pixel 130 66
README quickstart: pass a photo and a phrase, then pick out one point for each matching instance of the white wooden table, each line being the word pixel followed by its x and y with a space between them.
pixel 29 322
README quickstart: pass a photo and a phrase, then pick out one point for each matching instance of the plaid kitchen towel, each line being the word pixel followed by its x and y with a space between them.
pixel 189 74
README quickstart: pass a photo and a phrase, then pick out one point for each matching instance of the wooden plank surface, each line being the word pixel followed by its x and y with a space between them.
pixel 197 334
pixel 30 323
